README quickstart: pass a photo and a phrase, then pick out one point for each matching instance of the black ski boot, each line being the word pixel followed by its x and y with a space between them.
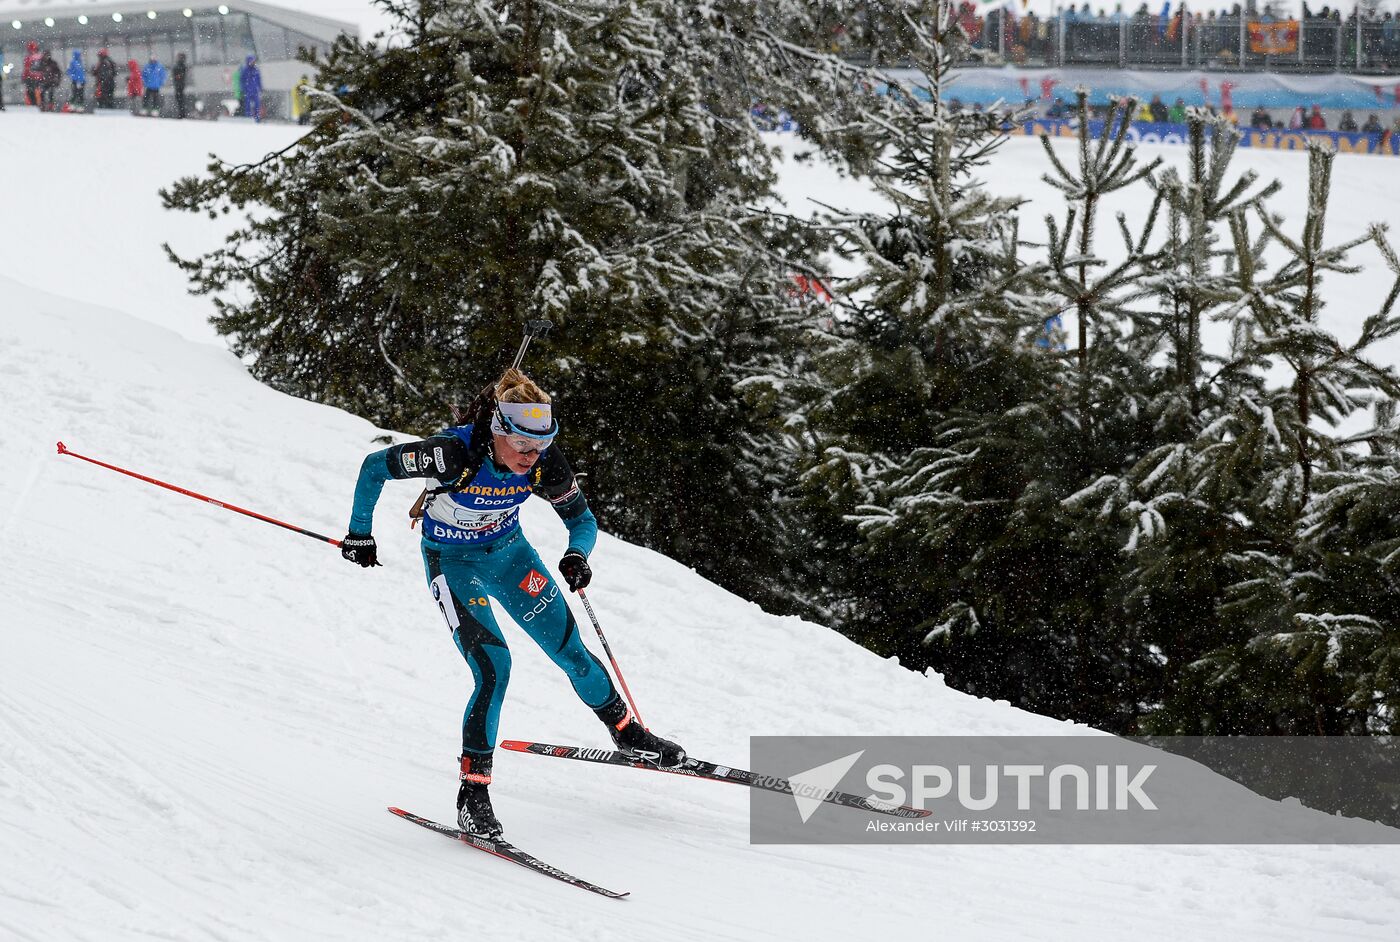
pixel 636 740
pixel 474 813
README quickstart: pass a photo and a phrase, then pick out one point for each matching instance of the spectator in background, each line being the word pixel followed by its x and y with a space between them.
pixel 301 107
pixel 78 76
pixel 50 77
pixel 153 80
pixel 1316 122
pixel 133 86
pixel 1177 113
pixel 1260 119
pixel 1159 110
pixel 1372 125
pixel 1297 121
pixel 252 88
pixel 104 77
pixel 1347 124
pixel 178 76
pixel 1058 110
pixel 30 74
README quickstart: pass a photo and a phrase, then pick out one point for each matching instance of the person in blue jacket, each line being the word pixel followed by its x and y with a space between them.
pixel 153 80
pixel 473 551
pixel 77 74
pixel 252 88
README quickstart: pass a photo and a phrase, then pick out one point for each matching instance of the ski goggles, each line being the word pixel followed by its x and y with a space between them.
pixel 519 422
pixel 527 446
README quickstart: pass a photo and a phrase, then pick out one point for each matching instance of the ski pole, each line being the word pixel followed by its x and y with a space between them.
pixel 533 329
pixel 606 647
pixel 63 450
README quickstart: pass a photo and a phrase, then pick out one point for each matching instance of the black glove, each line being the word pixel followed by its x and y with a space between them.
pixel 359 548
pixel 574 568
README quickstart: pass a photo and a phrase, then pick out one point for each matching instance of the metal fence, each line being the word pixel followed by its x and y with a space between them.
pixel 1214 42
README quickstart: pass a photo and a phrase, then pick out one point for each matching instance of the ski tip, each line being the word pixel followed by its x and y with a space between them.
pixel 514 745
pixel 398 811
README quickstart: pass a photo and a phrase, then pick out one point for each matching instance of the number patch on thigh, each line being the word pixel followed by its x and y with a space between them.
pixel 443 596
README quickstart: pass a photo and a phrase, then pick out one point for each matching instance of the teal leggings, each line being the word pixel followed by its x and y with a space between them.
pixel 462 578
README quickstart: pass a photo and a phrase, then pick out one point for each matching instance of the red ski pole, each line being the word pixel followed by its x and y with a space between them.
pixel 63 450
pixel 616 670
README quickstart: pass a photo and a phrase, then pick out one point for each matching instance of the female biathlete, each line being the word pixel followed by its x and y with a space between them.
pixel 473 548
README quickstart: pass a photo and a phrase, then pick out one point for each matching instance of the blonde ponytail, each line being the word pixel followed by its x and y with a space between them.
pixel 515 386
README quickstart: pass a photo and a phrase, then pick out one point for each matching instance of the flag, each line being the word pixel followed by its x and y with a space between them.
pixel 1164 18
pixel 1279 38
pixel 1174 30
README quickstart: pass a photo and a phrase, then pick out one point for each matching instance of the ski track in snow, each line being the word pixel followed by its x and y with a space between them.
pixel 202 717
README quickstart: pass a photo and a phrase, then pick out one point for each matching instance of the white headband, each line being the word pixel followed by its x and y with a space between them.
pixel 529 418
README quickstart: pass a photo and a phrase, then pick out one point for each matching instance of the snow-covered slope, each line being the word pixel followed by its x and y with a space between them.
pixel 81 210
pixel 202 718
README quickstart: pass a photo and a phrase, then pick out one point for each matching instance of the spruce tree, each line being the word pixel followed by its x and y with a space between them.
pixel 1176 540
pixel 938 335
pixel 1286 502
pixel 1195 272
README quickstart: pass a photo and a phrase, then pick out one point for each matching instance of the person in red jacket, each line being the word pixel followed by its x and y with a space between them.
pixel 1316 122
pixel 33 81
pixel 133 85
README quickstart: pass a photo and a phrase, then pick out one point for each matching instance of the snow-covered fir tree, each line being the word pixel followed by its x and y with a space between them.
pixel 1195 274
pixel 1172 569
pixel 1307 628
pixel 1243 527
pixel 1023 601
pixel 939 330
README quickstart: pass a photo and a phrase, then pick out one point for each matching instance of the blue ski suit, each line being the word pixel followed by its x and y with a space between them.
pixel 474 550
pixel 76 72
pixel 251 84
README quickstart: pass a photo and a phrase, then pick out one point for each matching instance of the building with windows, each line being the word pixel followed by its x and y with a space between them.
pixel 216 39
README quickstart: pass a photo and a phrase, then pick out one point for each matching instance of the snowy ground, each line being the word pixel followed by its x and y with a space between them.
pixel 202 717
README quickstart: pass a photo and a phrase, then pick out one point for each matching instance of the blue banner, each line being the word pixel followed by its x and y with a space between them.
pixel 1240 92
pixel 1145 132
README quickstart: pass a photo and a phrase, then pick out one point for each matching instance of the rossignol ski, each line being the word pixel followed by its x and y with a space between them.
pixel 506 851
pixel 695 768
